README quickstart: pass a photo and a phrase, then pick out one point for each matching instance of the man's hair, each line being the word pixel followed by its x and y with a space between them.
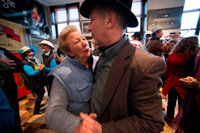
pixel 187 45
pixel 106 8
pixel 154 34
pixel 137 35
pixel 62 42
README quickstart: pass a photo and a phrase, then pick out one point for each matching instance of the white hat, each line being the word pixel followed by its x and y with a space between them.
pixel 47 43
pixel 156 28
pixel 24 49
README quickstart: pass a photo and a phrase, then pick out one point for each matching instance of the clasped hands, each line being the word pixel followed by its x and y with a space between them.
pixel 88 124
pixel 41 67
pixel 187 81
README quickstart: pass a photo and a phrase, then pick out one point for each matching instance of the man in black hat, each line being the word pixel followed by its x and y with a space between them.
pixel 125 95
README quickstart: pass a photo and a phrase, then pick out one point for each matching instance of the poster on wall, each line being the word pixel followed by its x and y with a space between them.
pixel 26 12
pixel 169 18
pixel 84 27
pixel 11 35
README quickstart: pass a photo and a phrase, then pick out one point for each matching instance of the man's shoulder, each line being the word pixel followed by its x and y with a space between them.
pixel 139 53
pixel 155 42
pixel 144 59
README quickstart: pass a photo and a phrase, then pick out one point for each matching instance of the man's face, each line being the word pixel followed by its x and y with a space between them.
pixel 45 48
pixel 159 34
pixel 97 27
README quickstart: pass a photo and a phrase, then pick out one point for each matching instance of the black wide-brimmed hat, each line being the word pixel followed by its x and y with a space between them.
pixel 123 6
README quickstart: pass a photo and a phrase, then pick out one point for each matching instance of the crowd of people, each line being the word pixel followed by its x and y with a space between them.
pixel 121 92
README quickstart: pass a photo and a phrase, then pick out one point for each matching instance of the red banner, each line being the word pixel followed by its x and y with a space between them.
pixel 9 33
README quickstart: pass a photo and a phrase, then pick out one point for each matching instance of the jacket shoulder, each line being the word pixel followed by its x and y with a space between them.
pixel 144 59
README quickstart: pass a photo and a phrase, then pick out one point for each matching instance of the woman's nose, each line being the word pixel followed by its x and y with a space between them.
pixel 83 43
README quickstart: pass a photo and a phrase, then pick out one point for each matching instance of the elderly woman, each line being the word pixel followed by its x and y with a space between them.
pixel 72 82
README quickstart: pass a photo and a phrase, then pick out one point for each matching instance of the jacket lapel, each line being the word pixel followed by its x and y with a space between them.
pixel 116 72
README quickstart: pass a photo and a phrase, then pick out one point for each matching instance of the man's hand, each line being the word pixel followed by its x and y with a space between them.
pixel 61 59
pixel 92 115
pixel 89 124
pixel 176 37
pixel 11 63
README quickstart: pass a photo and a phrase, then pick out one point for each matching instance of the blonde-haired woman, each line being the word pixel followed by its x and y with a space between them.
pixel 72 82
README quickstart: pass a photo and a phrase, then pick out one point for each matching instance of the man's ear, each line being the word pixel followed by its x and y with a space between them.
pixel 110 19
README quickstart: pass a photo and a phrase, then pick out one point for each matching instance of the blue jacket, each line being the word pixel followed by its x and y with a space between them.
pixel 6 114
pixel 77 80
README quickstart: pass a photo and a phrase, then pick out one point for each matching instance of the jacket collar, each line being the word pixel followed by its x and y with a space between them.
pixel 122 60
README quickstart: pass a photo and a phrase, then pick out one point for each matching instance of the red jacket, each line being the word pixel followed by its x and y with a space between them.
pixel 174 68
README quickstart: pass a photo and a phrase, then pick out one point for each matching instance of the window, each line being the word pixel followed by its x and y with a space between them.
pixel 137 10
pixel 63 16
pixel 190 18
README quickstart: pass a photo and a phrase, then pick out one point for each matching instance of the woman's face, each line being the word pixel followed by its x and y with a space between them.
pixel 78 46
pixel 29 53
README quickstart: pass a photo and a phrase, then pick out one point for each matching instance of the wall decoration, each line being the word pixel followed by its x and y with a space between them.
pixel 169 18
pixel 11 35
pixel 26 12
pixel 84 28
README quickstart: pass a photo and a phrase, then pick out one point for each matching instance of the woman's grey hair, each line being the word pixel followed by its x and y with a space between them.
pixel 62 42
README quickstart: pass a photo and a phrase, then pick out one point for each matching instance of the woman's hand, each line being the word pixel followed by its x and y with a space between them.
pixel 187 81
pixel 41 67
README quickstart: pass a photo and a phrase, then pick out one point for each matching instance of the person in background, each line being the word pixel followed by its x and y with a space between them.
pixel 48 60
pixel 33 69
pixel 172 36
pixel 125 93
pixel 72 82
pixel 155 45
pixel 147 39
pixel 7 114
pixel 59 56
pixel 136 40
pixel 174 68
pixel 10 64
pixel 188 118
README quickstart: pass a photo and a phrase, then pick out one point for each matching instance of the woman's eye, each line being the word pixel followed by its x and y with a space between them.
pixel 77 41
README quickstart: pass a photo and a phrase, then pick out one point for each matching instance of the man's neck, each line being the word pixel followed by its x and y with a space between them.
pixel 47 53
pixel 113 37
